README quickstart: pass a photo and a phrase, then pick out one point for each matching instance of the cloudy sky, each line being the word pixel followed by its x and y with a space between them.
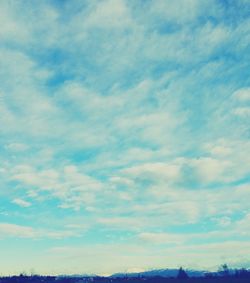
pixel 124 135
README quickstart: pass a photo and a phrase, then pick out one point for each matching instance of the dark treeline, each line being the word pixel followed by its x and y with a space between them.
pixel 223 275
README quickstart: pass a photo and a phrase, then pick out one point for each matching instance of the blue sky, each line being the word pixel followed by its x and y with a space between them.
pixel 124 135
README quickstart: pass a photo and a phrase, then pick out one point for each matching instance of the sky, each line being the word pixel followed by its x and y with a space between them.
pixel 124 135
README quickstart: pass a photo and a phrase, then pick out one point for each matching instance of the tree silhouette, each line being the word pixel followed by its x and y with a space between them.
pixel 182 274
pixel 242 273
pixel 224 270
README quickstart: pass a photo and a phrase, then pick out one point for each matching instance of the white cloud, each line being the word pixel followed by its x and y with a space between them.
pixel 242 111
pixel 242 94
pixel 109 14
pixel 14 230
pixel 21 202
pixel 162 238
pixel 157 170
pixel 123 223
pixel 73 188
pixel 17 147
pixel 10 28
pixel 179 13
pixel 19 231
pixel 218 149
pixel 243 225
pixel 210 170
pixel 224 221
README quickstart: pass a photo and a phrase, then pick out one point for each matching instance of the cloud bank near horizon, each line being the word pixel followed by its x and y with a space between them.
pixel 124 135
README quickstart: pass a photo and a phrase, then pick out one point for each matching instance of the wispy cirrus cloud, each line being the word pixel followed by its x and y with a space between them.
pixel 21 202
pixel 19 231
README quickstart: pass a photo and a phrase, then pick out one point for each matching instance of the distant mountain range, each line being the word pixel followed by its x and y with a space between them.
pixel 159 272
pixel 154 273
